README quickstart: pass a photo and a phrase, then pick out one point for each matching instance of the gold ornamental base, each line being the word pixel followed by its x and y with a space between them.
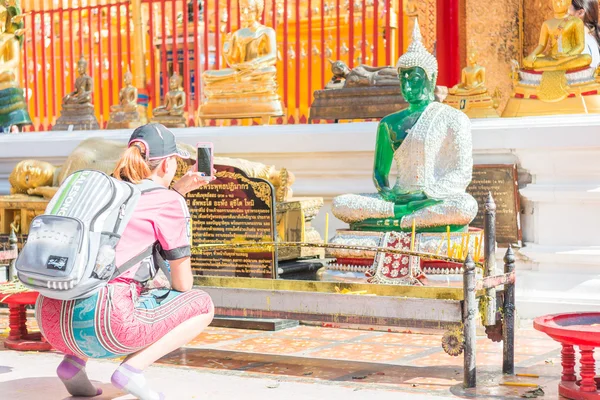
pixel 245 105
pixel 76 117
pixel 576 104
pixel 127 119
pixel 554 92
pixel 171 121
pixel 477 106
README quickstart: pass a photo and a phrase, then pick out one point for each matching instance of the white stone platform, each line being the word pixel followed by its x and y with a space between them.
pixel 559 166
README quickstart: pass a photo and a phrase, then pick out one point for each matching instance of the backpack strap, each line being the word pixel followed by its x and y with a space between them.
pixel 160 262
pixel 148 185
pixel 133 262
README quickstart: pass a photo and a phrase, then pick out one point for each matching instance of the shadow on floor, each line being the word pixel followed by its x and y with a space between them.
pixel 4 369
pixel 441 380
pixel 52 388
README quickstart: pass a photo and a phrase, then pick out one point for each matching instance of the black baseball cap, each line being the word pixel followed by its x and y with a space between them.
pixel 159 141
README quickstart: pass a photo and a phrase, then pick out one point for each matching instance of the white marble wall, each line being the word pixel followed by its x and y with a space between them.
pixel 558 159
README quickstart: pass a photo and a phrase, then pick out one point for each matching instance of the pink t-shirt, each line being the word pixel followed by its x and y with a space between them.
pixel 160 215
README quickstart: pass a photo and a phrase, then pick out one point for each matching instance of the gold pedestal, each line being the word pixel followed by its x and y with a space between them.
pixel 294 225
pixel 556 92
pixel 243 105
pixel 24 207
pixel 476 106
pixel 76 117
pixel 171 121
pixel 127 119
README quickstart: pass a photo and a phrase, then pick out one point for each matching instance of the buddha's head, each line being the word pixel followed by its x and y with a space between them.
pixel 472 55
pixel 82 66
pixel 30 174
pixel 561 6
pixel 417 69
pixel 339 69
pixel 251 11
pixel 127 78
pixel 175 81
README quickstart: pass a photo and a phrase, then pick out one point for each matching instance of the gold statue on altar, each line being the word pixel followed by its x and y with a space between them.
pixel 555 78
pixel 77 109
pixel 127 114
pixel 13 109
pixel 564 37
pixel 471 95
pixel 248 88
pixel 172 113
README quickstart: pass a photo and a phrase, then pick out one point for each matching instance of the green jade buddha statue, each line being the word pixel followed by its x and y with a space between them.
pixel 13 109
pixel 431 145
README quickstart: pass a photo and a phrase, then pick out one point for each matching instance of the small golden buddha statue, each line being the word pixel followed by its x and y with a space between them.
pixel 248 88
pixel 127 95
pixel 472 80
pixel 565 36
pixel 84 85
pixel 77 109
pixel 171 114
pixel 567 84
pixel 13 109
pixel 471 95
pixel 127 114
pixel 174 100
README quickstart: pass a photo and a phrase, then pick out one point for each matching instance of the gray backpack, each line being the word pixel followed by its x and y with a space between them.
pixel 70 250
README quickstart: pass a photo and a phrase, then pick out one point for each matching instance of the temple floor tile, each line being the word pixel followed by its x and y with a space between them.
pixel 356 360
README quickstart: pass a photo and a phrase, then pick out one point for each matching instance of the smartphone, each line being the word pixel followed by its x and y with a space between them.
pixel 205 158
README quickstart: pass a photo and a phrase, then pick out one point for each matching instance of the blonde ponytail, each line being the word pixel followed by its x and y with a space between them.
pixel 133 166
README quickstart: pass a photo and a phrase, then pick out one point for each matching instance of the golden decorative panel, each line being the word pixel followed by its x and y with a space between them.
pixel 425 10
pixel 535 12
pixel 494 28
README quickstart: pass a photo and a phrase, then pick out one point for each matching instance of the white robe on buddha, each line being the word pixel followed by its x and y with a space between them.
pixel 435 158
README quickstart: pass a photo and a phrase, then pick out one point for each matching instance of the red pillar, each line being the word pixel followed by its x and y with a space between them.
pixel 448 42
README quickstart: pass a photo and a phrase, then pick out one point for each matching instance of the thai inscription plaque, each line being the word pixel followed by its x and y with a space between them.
pixel 233 208
pixel 501 180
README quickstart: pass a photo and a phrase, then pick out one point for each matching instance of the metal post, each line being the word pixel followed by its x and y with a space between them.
pixel 508 328
pixel 490 257
pixel 12 239
pixel 469 322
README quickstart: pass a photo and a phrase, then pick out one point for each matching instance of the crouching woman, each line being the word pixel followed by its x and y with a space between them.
pixel 121 320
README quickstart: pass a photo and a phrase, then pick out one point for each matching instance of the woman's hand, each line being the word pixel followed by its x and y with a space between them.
pixel 191 181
